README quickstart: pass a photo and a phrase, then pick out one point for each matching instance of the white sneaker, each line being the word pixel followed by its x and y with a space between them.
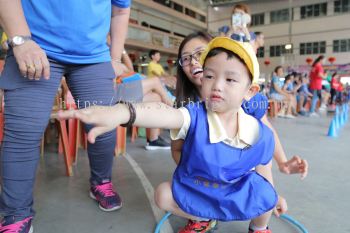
pixel 313 114
pixel 289 116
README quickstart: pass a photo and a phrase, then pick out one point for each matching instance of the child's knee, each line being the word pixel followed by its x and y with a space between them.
pixel 163 196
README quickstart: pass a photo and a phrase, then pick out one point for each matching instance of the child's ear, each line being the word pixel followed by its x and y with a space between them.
pixel 253 89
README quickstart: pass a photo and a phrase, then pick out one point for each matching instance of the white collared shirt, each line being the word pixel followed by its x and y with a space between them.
pixel 247 133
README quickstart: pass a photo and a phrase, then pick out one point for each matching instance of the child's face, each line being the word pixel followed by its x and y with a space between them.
pixel 156 57
pixel 238 11
pixel 189 54
pixel 225 83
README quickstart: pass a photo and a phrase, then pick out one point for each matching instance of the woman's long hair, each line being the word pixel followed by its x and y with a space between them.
pixel 186 91
pixel 318 59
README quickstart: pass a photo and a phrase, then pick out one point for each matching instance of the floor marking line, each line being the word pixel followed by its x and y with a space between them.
pixel 149 190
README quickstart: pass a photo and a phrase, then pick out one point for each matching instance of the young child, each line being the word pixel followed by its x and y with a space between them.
pixel 239 24
pixel 225 168
pixel 188 89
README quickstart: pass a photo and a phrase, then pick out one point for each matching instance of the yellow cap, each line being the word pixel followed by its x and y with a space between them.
pixel 244 50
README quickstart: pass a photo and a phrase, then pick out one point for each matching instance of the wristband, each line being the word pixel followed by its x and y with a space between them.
pixel 132 113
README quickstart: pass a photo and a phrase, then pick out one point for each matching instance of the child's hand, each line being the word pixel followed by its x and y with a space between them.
pixel 281 207
pixel 295 165
pixel 103 118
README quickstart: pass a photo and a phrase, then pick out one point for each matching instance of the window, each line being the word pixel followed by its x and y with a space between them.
pixel 261 52
pixel 314 10
pixel 164 2
pixel 341 6
pixel 278 50
pixel 279 16
pixel 341 45
pixel 190 13
pixel 178 7
pixel 202 18
pixel 317 47
pixel 258 19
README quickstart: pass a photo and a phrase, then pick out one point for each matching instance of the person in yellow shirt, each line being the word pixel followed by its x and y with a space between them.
pixel 4 44
pixel 154 68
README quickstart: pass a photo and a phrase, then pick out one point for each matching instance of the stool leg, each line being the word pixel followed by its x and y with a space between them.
pixel 120 148
pixel 62 127
pixel 134 133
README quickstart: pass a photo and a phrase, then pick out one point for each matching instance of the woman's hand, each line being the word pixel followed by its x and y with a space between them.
pixel 118 68
pixel 32 60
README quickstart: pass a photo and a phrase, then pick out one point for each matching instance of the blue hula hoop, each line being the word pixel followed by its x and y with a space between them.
pixel 294 222
pixel 285 217
pixel 159 225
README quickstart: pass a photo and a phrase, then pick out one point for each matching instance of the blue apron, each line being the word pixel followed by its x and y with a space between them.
pixel 216 181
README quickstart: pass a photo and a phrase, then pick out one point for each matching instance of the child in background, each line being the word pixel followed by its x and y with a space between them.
pixel 277 93
pixel 240 20
pixel 290 88
pixel 213 180
pixel 303 95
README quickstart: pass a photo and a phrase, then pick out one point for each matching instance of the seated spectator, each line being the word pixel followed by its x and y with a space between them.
pixel 303 95
pixel 291 88
pixel 143 90
pixel 278 94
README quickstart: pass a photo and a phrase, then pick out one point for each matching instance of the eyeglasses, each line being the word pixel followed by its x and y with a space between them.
pixel 186 59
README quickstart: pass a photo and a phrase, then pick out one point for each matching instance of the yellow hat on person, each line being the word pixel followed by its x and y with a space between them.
pixel 244 50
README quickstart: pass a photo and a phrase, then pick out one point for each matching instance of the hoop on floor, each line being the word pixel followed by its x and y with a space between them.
pixel 285 217
pixel 294 222
pixel 159 225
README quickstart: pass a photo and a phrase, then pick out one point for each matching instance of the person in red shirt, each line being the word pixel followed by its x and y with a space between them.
pixel 335 83
pixel 317 74
pixel 339 94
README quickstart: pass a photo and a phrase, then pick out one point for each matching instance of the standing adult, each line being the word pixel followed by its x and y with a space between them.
pixel 317 74
pixel 48 41
pixel 259 41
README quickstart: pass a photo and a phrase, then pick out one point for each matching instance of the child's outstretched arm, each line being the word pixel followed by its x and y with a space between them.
pixel 105 119
pixel 292 166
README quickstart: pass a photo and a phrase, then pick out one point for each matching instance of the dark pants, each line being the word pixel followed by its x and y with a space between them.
pixel 28 105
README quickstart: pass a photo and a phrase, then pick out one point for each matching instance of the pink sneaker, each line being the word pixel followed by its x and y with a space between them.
pixel 24 226
pixel 107 198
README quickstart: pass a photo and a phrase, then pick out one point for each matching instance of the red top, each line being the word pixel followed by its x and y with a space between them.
pixel 335 83
pixel 315 78
pixel 340 88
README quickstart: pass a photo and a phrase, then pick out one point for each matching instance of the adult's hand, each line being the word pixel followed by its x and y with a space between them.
pixel 32 61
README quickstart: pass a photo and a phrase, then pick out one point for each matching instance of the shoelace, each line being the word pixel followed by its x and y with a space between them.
pixel 15 227
pixel 106 189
